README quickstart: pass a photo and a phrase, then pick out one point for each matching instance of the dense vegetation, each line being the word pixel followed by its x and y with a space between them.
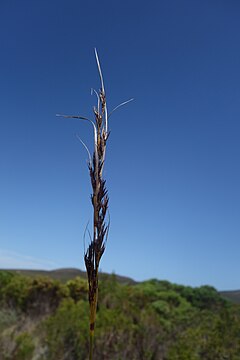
pixel 44 319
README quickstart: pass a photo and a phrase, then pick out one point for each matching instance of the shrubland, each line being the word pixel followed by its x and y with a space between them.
pixel 44 319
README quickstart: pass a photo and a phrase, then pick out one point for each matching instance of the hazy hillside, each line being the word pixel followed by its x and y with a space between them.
pixel 66 274
pixel 233 296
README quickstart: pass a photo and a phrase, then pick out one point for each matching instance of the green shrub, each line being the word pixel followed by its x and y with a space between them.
pixel 44 295
pixel 149 321
pixel 67 331
pixel 78 289
pixel 5 278
pixel 35 296
pixel 25 347
pixel 16 291
pixel 203 297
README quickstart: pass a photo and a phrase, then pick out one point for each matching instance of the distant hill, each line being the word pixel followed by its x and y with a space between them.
pixel 233 296
pixel 66 274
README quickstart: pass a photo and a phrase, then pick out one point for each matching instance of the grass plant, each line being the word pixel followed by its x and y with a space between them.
pixel 99 197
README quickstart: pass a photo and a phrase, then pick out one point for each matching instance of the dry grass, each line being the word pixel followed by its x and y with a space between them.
pixel 99 195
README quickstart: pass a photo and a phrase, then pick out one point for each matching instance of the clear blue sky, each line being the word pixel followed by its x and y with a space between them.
pixel 173 156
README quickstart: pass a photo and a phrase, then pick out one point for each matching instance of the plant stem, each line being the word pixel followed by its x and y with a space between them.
pixel 93 312
pixel 91 338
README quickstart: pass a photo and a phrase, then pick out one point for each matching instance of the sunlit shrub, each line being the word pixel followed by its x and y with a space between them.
pixel 78 289
pixel 16 292
pixel 44 295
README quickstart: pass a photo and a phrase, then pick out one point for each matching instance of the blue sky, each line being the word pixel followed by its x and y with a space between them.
pixel 172 165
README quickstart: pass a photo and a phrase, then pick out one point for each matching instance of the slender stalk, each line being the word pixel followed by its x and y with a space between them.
pixel 93 311
pixel 91 345
pixel 99 198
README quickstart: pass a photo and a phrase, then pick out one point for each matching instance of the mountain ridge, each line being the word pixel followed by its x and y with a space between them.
pixel 65 274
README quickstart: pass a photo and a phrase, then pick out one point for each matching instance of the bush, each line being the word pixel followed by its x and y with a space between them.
pixel 44 295
pixel 5 278
pixel 25 347
pixel 15 292
pixel 78 289
pixel 204 297
pixel 34 296
pixel 67 331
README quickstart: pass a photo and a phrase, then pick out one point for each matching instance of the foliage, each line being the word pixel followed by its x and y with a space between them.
pixel 5 278
pixel 25 347
pixel 15 292
pixel 152 320
pixel 34 295
pixel 44 295
pixel 78 289
pixel 67 331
